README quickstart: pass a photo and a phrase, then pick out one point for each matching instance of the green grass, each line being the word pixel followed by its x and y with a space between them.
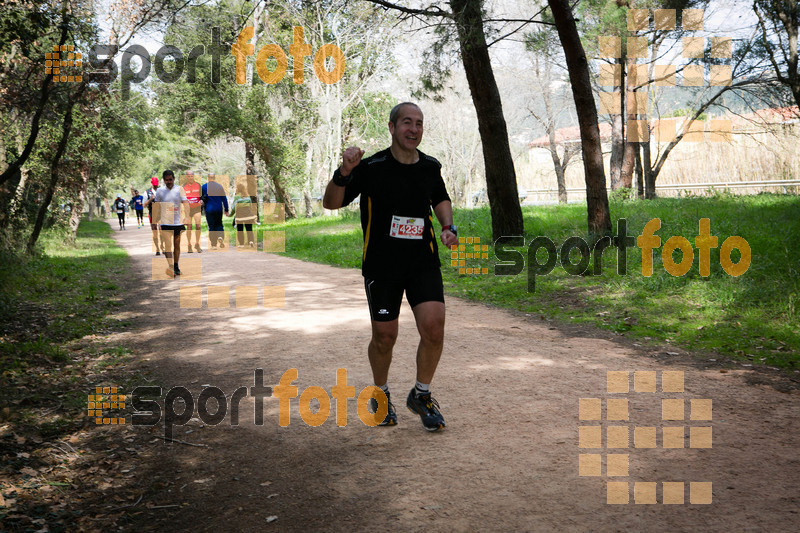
pixel 62 293
pixel 753 317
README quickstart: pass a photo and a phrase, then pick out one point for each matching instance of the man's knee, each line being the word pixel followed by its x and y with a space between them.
pixel 432 330
pixel 384 337
pixel 430 322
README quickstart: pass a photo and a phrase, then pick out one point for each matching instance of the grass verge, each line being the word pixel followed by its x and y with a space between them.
pixel 751 318
pixel 57 307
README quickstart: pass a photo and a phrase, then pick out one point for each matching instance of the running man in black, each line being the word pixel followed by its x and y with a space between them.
pixel 398 188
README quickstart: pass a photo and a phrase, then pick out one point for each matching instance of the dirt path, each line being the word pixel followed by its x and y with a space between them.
pixel 509 387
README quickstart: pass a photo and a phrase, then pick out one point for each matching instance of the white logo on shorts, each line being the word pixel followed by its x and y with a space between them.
pixel 383 312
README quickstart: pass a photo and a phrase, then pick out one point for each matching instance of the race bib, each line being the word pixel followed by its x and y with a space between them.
pixel 407 228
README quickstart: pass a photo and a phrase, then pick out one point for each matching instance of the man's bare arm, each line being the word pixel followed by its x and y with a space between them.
pixel 334 194
pixel 444 213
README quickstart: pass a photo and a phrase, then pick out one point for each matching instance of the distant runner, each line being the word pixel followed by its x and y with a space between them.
pixel 398 188
pixel 119 207
pixel 138 206
pixel 149 194
pixel 192 190
pixel 169 198
pixel 245 213
pixel 216 202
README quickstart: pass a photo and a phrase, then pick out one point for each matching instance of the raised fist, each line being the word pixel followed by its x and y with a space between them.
pixel 350 159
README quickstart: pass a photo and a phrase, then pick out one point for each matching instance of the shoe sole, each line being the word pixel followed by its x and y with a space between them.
pixel 437 428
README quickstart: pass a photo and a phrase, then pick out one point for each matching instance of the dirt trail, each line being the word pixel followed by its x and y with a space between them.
pixel 509 387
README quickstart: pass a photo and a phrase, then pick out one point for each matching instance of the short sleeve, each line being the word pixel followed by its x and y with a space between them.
pixel 439 192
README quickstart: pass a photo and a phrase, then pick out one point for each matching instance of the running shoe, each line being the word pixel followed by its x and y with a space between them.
pixel 190 249
pixel 221 242
pixel 158 253
pixel 197 247
pixel 170 272
pixel 177 270
pixel 391 415
pixel 427 408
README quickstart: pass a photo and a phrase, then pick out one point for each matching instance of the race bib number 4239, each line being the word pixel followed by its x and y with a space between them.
pixel 407 228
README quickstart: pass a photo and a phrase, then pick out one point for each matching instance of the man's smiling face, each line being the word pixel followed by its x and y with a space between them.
pixel 407 132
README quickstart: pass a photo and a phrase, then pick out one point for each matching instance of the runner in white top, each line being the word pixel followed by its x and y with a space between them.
pixel 168 200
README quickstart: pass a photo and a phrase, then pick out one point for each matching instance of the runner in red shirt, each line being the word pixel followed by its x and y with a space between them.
pixel 192 190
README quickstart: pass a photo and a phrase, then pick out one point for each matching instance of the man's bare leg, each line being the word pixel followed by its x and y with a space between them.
pixel 177 241
pixel 430 324
pixel 167 244
pixel 156 238
pixel 197 232
pixel 189 233
pixel 384 335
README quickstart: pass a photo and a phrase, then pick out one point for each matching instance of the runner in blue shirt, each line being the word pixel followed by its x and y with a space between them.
pixel 212 196
pixel 138 206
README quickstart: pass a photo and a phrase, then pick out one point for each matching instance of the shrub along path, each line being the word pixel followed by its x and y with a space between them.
pixel 509 386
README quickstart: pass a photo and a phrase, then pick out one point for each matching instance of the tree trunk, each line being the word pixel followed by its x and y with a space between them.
pixel 249 159
pixel 62 145
pixel 628 160
pixel 639 173
pixel 19 191
pixel 501 179
pixel 550 123
pixel 617 150
pixel 618 132
pixel 598 216
pixel 561 181
pixel 283 196
pixel 629 154
pixel 77 207
pixel 309 208
pixel 44 95
pixel 308 204
pixel 649 175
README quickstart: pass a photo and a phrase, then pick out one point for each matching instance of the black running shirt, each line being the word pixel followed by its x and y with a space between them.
pixel 396 217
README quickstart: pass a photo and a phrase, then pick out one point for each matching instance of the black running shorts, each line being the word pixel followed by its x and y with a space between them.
pixel 176 229
pixel 385 297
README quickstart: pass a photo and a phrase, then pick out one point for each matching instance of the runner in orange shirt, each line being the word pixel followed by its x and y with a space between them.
pixel 192 190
